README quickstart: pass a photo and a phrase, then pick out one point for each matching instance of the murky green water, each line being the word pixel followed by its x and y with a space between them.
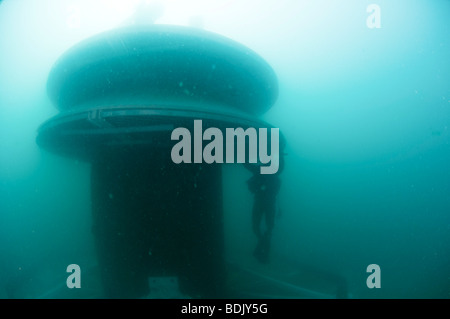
pixel 365 113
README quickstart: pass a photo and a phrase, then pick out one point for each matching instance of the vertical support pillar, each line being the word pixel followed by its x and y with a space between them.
pixel 152 217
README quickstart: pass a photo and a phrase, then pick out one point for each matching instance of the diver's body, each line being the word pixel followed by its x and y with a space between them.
pixel 265 189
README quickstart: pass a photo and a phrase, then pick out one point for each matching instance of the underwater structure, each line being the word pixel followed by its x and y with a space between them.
pixel 120 94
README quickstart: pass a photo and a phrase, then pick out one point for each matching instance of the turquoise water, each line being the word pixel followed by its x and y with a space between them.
pixel 365 112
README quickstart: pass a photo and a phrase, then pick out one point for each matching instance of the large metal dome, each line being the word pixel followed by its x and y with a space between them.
pixel 162 63
pixel 134 85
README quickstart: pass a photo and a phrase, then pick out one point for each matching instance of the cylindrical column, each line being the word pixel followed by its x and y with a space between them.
pixel 155 218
